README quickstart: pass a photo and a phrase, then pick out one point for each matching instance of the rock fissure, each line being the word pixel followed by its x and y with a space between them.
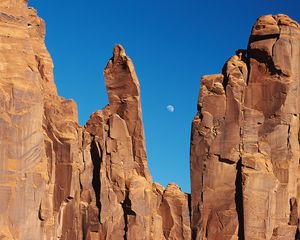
pixel 239 199
pixel 96 159
pixel 93 182
pixel 262 142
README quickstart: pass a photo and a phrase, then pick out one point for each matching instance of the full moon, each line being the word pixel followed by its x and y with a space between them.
pixel 170 108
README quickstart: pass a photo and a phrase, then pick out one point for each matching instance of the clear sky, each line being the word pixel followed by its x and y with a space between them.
pixel 172 44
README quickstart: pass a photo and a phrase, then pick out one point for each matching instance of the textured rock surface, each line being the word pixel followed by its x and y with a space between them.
pixel 59 180
pixel 120 201
pixel 245 140
pixel 62 181
pixel 39 183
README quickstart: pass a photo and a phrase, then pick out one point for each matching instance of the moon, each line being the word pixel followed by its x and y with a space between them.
pixel 170 108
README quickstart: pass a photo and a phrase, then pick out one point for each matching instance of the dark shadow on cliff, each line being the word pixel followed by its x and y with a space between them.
pixel 96 159
pixel 239 199
pixel 126 205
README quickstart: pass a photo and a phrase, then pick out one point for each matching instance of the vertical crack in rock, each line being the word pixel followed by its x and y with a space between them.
pixel 248 134
pixel 127 209
pixel 93 182
pixel 96 159
pixel 73 182
pixel 293 212
pixel 215 153
pixel 239 199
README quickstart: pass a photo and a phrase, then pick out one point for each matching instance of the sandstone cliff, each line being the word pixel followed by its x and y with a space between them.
pixel 59 180
pixel 119 200
pixel 245 140
pixel 39 151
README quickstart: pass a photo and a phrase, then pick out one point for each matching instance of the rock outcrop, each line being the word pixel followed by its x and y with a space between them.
pixel 59 180
pixel 119 200
pixel 245 140
pixel 39 180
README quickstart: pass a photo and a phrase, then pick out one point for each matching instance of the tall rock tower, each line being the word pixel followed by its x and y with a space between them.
pixel 59 180
pixel 245 140
pixel 121 202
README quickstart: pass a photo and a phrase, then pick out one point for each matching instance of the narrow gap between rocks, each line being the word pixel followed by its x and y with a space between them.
pixel 239 199
pixel 96 159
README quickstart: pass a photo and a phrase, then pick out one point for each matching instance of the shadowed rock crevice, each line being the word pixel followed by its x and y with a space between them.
pixel 255 38
pixel 96 159
pixel 261 56
pixel 63 181
pixel 190 206
pixel 293 212
pixel 248 140
pixel 127 210
pixel 256 144
pixel 239 199
pixel 224 160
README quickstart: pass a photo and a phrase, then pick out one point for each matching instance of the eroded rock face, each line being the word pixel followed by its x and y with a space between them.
pixel 118 199
pixel 59 180
pixel 39 180
pixel 245 144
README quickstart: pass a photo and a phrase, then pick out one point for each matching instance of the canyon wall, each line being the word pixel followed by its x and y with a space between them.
pixel 39 135
pixel 59 180
pixel 245 140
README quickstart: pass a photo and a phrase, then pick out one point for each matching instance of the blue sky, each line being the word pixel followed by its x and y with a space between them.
pixel 172 44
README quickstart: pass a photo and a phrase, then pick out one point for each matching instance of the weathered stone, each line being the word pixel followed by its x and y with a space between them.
pixel 62 181
pixel 175 213
pixel 124 99
pixel 59 180
pixel 215 154
pixel 129 205
pixel 38 135
pixel 244 173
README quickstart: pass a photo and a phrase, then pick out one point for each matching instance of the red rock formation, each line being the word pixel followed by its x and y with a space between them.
pixel 62 181
pixel 59 180
pixel 39 184
pixel 245 147
pixel 120 202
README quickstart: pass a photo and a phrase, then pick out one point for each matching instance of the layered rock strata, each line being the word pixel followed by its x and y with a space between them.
pixel 59 180
pixel 245 140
